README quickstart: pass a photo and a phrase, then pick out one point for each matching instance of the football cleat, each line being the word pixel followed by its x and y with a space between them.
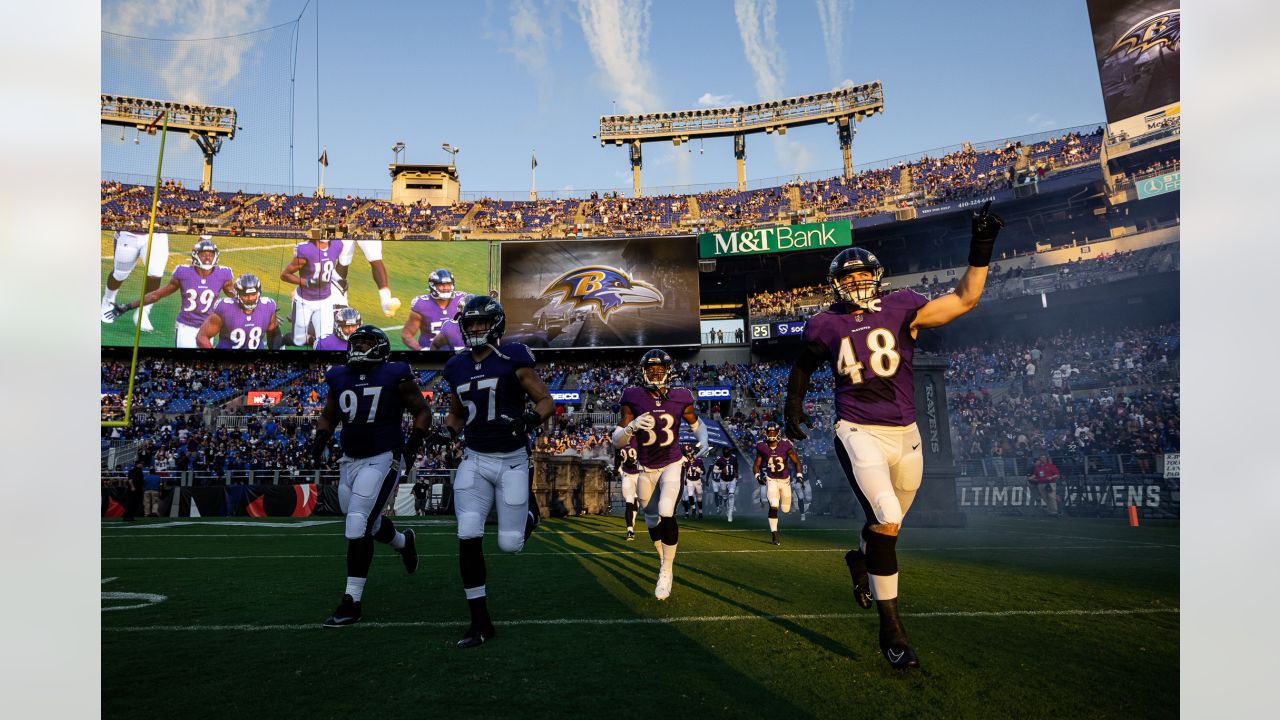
pixel 409 553
pixel 391 306
pixel 857 563
pixel 900 655
pixel 146 321
pixel 801 517
pixel 893 638
pixel 631 534
pixel 663 589
pixel 348 613
pixel 476 636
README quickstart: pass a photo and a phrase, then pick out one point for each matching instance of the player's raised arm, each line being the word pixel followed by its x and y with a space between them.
pixel 699 430
pixel 211 327
pixel 409 333
pixel 944 309
pixel 811 357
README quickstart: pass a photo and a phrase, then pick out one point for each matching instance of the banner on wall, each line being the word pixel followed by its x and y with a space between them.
pixel 263 398
pixel 1136 44
pixel 786 238
pixel 629 292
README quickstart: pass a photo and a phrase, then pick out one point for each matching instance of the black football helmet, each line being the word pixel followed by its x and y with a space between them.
pixel 655 370
pixel 857 293
pixel 482 308
pixel 248 291
pixel 368 345
pixel 438 278
pixel 204 245
pixel 346 320
pixel 772 434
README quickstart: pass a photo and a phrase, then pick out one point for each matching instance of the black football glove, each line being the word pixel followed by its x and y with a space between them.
pixel 986 226
pixel 118 309
pixel 760 478
pixel 795 417
pixel 319 443
pixel 525 424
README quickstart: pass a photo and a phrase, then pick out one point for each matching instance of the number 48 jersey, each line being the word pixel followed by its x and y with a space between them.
pixel 871 354
pixel 369 406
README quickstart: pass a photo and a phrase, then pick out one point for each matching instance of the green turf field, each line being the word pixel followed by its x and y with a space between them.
pixel 1016 618
pixel 408 265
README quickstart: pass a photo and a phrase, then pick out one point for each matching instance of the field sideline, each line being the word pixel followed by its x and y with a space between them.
pixel 1011 617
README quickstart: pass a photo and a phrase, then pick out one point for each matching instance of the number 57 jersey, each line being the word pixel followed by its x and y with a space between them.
pixel 871 354
pixel 370 406
pixel 660 446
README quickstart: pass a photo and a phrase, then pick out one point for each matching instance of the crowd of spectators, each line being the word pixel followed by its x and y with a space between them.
pixel 958 174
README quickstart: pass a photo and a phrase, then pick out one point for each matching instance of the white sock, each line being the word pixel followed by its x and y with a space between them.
pixel 884 587
pixel 668 557
pixel 397 542
pixel 773 524
pixel 385 295
pixel 474 593
pixel 110 295
pixel 355 587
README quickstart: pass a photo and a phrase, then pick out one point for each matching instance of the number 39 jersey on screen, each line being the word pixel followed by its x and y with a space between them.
pixel 199 293
pixel 370 406
pixel 660 446
pixel 872 354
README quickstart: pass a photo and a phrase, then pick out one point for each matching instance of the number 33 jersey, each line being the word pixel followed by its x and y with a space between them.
pixel 660 446
pixel 871 355
pixel 488 390
pixel 370 406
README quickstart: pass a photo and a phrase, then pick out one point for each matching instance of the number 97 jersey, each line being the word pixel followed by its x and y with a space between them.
pixel 660 446
pixel 369 406
pixel 871 354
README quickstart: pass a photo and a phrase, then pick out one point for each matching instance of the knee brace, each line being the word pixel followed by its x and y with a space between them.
pixel 357 525
pixel 882 555
pixel 470 525
pixel 511 541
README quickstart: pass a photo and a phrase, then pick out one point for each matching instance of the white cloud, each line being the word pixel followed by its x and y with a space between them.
pixel 831 16
pixel 533 35
pixel 1040 122
pixel 758 29
pixel 713 100
pixel 192 72
pixel 617 33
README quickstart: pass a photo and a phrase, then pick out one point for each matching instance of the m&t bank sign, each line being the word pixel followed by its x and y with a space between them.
pixel 812 236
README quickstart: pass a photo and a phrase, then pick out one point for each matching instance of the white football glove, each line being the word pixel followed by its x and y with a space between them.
pixel 644 421
pixel 703 450
pixel 390 306
pixel 800 477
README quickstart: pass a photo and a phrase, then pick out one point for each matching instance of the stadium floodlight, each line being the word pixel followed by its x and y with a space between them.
pixel 397 149
pixel 207 125
pixel 453 152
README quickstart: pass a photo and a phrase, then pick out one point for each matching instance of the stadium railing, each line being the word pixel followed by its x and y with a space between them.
pixel 196 478
pixel 1084 465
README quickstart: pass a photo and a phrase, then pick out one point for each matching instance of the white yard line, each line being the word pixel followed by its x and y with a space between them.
pixel 655 621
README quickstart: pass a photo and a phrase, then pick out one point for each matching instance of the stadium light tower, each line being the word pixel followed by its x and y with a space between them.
pixel 844 108
pixel 208 125
pixel 396 150
pixel 453 153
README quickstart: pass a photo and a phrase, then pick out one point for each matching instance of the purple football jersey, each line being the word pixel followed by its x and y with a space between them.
pixel 452 333
pixel 319 268
pixel 244 331
pixel 660 446
pixel 199 293
pixel 627 455
pixel 488 390
pixel 695 469
pixel 871 355
pixel 434 316
pixel 331 342
pixel 728 467
pixel 774 459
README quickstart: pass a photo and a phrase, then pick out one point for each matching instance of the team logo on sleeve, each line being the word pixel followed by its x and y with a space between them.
pixel 602 288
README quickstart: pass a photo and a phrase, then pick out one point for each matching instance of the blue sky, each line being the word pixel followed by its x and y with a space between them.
pixel 502 78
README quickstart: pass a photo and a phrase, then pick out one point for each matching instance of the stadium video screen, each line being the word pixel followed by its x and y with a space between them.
pixel 634 292
pixel 172 319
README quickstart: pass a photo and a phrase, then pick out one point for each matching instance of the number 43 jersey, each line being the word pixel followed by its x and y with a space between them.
pixel 369 406
pixel 660 446
pixel 871 354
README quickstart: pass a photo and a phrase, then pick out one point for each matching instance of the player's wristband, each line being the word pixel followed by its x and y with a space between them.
pixel 980 252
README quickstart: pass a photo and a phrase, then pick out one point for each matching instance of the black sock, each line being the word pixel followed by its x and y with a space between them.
pixel 655 532
pixel 359 557
pixel 471 562
pixel 631 514
pixel 386 531
pixel 480 613
pixel 668 531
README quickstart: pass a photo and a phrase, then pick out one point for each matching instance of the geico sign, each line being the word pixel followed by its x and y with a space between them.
pixel 707 393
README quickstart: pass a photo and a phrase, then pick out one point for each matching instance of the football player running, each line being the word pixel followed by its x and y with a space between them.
pixel 312 270
pixel 869 337
pixel 429 312
pixel 694 470
pixel 651 413
pixel 629 471
pixel 346 320
pixel 200 283
pixel 772 453
pixel 129 248
pixel 247 322
pixel 802 491
pixel 727 464
pixel 369 396
pixel 489 387
pixel 372 250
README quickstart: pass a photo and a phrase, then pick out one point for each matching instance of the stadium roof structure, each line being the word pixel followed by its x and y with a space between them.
pixel 838 107
pixel 207 125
